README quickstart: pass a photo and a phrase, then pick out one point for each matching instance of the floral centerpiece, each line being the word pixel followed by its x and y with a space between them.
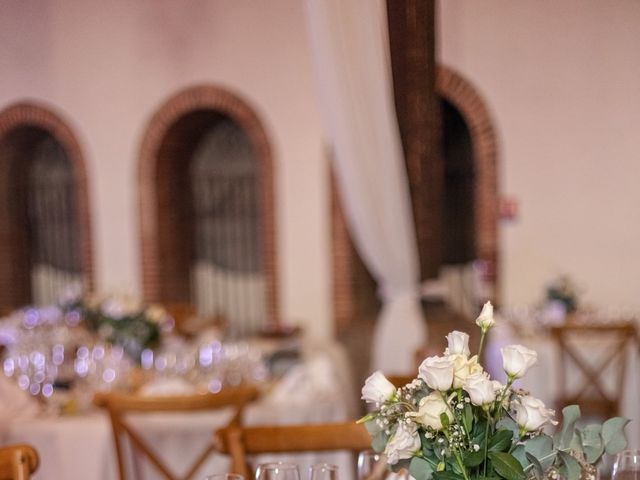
pixel 563 291
pixel 453 422
pixel 122 320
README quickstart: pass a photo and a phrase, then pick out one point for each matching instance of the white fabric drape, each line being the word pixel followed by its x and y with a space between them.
pixel 350 51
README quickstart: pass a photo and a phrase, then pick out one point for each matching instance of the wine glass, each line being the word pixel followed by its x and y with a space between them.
pixel 323 471
pixel 224 476
pixel 277 471
pixel 626 466
pixel 371 465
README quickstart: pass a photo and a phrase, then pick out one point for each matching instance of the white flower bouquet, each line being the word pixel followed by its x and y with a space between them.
pixel 453 422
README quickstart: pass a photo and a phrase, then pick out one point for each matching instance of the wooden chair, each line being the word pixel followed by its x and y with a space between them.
pixel 239 442
pixel 18 462
pixel 592 394
pixel 400 381
pixel 118 405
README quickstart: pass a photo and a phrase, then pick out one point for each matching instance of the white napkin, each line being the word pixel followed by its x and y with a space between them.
pixel 15 404
pixel 167 387
pixel 313 378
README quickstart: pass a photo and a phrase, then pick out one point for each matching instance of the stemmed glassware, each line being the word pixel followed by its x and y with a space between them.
pixel 277 471
pixel 323 471
pixel 626 466
pixel 371 465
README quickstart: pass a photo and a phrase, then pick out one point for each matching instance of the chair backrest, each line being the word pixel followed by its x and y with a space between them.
pixel 118 405
pixel 593 394
pixel 239 442
pixel 18 462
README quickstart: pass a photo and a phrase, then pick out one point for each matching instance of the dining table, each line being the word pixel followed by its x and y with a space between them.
pixel 80 446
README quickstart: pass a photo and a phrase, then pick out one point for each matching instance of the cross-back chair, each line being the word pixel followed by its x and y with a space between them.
pixel 238 442
pixel 118 405
pixel 18 462
pixel 592 394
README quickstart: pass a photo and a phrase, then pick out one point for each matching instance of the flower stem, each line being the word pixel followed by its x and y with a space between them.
pixel 481 344
pixel 462 467
pixel 486 441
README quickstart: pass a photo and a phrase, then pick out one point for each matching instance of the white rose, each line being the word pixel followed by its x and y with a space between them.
pixel 485 320
pixel 480 389
pixel 429 410
pixel 437 372
pixel 464 367
pixel 377 389
pixel 403 444
pixel 458 344
pixel 531 413
pixel 516 360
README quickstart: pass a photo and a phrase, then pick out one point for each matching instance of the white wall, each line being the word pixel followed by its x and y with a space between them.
pixel 563 81
pixel 107 66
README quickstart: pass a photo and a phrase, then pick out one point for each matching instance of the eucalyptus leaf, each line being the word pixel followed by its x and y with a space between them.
pixel 506 466
pixel 592 442
pixel 539 446
pixel 570 416
pixel 613 435
pixel 401 464
pixel 537 467
pixel 444 419
pixel 420 469
pixel 520 455
pixel 507 423
pixel 372 427
pixel 379 442
pixel 570 468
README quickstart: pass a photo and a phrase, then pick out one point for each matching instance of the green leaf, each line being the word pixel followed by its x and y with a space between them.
pixel 444 418
pixel 467 417
pixel 592 443
pixel 506 466
pixel 570 416
pixel 570 468
pixel 500 441
pixel 613 435
pixel 447 475
pixel 420 469
pixel 473 459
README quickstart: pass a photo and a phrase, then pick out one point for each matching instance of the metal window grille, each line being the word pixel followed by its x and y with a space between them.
pixel 227 270
pixel 53 224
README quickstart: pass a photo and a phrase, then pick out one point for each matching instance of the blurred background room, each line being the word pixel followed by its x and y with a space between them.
pixel 289 194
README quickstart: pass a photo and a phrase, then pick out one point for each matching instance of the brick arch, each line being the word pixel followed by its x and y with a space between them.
pixel 152 164
pixel 348 275
pixel 459 92
pixel 43 118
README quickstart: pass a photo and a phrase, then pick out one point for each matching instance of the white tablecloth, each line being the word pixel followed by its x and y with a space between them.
pixel 80 447
pixel 542 380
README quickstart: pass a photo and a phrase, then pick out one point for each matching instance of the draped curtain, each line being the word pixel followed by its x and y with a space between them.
pixel 351 59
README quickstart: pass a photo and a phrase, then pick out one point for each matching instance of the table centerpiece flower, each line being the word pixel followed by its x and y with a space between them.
pixel 453 422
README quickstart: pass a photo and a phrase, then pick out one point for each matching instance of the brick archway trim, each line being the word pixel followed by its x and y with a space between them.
pixel 458 91
pixel 202 97
pixel 45 117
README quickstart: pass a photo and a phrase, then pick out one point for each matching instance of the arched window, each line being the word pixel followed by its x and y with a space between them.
pixel 44 209
pixel 207 210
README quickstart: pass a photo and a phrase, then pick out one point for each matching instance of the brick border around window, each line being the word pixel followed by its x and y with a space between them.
pixel 202 97
pixel 458 91
pixel 45 117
